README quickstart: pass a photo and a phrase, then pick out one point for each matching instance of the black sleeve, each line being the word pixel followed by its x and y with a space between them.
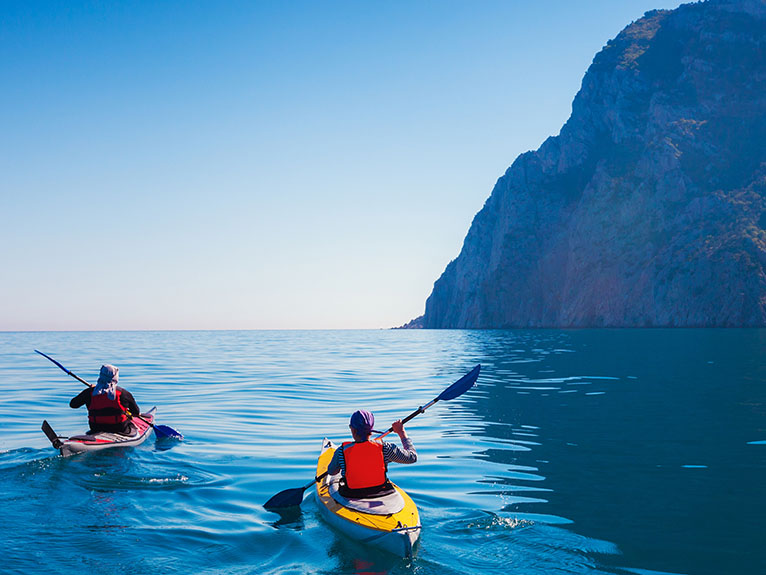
pixel 82 398
pixel 129 402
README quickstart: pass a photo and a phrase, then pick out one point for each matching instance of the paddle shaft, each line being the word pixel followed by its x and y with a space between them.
pixel 294 496
pixel 65 370
pixel 412 415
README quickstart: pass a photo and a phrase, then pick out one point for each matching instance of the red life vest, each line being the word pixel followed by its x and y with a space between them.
pixel 105 411
pixel 365 466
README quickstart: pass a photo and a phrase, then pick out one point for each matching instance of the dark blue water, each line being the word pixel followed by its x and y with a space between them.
pixel 593 451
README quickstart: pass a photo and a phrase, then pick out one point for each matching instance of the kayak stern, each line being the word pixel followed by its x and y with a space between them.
pixel 396 533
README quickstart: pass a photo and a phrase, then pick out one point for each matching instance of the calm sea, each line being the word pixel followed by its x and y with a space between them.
pixel 591 451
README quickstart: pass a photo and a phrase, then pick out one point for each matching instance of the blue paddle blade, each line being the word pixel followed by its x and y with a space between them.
pixel 461 385
pixel 165 431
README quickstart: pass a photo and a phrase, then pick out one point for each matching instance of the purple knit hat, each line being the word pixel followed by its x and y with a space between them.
pixel 362 421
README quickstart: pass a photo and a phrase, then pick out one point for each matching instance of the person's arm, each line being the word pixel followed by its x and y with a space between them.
pixel 406 454
pixel 334 466
pixel 129 402
pixel 82 398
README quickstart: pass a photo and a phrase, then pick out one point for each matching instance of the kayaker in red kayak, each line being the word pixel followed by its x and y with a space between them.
pixel 108 404
pixel 363 462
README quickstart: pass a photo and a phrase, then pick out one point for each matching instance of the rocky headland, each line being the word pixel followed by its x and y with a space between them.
pixel 649 207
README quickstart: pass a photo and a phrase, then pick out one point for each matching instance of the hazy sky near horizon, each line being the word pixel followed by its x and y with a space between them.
pixel 265 165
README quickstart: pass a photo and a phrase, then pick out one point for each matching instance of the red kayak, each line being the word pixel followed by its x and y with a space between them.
pixel 140 430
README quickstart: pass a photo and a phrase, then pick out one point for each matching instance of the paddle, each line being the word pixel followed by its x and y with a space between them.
pixel 160 430
pixel 294 496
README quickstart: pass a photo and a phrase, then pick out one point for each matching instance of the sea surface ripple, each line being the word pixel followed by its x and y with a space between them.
pixel 584 451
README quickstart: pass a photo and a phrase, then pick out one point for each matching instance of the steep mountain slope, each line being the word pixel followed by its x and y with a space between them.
pixel 649 207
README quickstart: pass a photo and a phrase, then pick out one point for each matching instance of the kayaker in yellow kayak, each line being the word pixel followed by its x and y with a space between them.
pixel 108 404
pixel 363 463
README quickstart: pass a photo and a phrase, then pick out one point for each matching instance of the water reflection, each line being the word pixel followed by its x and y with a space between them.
pixel 289 517
pixel 577 452
pixel 166 443
pixel 356 558
pixel 612 425
pixel 520 375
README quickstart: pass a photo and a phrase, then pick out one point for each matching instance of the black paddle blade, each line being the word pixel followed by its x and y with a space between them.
pixel 461 385
pixel 286 498
pixel 51 435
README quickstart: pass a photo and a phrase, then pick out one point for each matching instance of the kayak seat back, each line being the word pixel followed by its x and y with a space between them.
pixel 380 505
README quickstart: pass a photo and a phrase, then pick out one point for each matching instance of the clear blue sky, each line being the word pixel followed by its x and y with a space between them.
pixel 248 165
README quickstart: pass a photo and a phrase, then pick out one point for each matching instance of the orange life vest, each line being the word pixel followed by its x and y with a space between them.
pixel 365 466
pixel 105 411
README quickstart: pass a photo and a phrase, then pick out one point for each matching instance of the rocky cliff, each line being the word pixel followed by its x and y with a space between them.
pixel 649 207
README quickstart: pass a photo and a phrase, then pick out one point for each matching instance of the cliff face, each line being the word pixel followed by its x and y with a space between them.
pixel 649 207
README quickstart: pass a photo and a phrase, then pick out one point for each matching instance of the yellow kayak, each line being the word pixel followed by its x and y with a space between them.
pixel 391 523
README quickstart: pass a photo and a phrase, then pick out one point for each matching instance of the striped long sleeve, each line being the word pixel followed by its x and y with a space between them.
pixel 391 453
pixel 406 454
